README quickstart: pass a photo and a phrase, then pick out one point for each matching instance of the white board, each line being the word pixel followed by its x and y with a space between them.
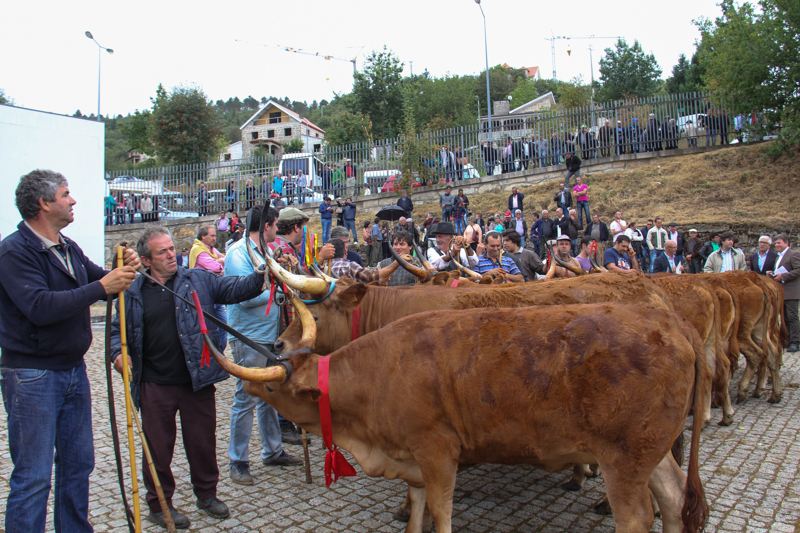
pixel 74 147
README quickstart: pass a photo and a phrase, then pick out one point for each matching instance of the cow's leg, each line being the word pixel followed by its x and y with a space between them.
pixel 754 356
pixel 439 474
pixel 723 383
pixel 579 475
pixel 666 484
pixel 747 377
pixel 774 363
pixel 416 499
pixel 630 501
pixel 761 381
pixel 711 362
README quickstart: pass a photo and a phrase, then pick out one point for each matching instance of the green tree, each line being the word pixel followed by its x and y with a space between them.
pixel 138 131
pixel 438 103
pixel 502 82
pixel 349 128
pixel 627 71
pixel 524 93
pixel 295 146
pixel 378 92
pixel 4 99
pixel 185 126
pixel 413 150
pixel 751 59
pixel 575 93
pixel 686 76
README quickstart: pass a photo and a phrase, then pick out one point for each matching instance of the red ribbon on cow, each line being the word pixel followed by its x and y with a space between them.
pixel 454 283
pixel 356 323
pixel 205 357
pixel 336 465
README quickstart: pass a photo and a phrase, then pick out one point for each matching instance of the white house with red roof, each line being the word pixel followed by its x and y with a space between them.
pixel 273 124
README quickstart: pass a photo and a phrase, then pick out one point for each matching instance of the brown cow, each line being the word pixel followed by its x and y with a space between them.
pixel 698 302
pixel 426 404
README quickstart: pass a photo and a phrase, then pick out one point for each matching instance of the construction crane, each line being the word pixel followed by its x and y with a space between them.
pixel 326 57
pixel 553 45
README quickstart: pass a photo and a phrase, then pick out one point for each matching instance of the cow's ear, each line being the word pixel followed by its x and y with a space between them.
pixel 440 278
pixel 353 294
pixel 307 392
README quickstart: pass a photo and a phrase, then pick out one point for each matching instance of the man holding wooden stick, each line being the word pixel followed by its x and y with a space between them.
pixel 47 285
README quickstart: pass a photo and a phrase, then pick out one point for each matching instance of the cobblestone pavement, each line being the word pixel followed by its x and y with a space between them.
pixel 749 469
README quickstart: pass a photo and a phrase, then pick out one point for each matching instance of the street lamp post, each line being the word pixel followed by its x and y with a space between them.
pixel 591 95
pixel 488 91
pixel 99 58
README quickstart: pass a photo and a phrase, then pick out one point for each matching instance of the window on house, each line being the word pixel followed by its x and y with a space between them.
pixel 317 147
pixel 270 134
pixel 227 157
pixel 287 132
pixel 254 135
pixel 275 117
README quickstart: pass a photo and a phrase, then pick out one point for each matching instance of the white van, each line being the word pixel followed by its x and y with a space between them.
pixel 291 164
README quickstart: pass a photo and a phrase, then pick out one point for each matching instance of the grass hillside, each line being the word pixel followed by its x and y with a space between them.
pixel 732 186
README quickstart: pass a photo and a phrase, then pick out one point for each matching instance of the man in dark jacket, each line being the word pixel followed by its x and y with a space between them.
pixel 47 285
pixel 573 163
pixel 596 229
pixel 653 134
pixel 404 202
pixel 764 258
pixel 563 199
pixel 546 229
pixel 165 347
pixel 515 200
pixel 350 218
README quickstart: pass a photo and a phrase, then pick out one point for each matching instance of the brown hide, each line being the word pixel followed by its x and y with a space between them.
pixel 759 331
pixel 411 400
pixel 697 302
pixel 382 305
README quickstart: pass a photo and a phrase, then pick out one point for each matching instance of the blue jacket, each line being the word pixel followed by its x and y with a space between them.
pixel 248 317
pixel 44 312
pixel 210 289
pixel 349 211
pixel 323 211
pixel 406 203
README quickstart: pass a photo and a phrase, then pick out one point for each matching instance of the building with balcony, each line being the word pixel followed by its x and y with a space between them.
pixel 273 125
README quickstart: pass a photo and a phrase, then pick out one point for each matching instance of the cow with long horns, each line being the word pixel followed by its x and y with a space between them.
pixel 587 393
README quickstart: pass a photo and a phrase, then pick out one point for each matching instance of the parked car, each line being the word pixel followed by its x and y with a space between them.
pixel 388 185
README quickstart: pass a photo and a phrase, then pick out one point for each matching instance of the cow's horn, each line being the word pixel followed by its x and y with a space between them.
pixel 318 271
pixel 551 270
pixel 309 337
pixel 421 273
pixel 595 264
pixel 472 275
pixel 424 260
pixel 271 373
pixel 310 285
pixel 569 266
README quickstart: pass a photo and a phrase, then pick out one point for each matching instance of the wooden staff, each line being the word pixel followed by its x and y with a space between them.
pixel 130 414
pixel 126 379
pixel 306 459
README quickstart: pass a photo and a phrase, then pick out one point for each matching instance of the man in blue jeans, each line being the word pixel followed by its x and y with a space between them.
pixel 46 288
pixel 326 214
pixel 248 318
pixel 350 218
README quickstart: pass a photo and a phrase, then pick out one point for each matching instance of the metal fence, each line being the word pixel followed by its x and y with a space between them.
pixel 515 142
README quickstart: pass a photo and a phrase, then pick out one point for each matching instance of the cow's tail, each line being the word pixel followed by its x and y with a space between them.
pixel 695 509
pixel 783 338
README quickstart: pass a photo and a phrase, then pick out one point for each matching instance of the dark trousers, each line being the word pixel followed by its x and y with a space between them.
pixel 792 323
pixel 160 404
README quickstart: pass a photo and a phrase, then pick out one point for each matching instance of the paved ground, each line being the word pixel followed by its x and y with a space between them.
pixel 750 472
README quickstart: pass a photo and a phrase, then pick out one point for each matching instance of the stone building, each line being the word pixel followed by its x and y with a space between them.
pixel 518 122
pixel 273 125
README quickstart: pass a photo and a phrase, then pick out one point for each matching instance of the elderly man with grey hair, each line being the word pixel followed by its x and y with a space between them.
pixel 169 375
pixel 763 259
pixel 47 285
pixel 341 233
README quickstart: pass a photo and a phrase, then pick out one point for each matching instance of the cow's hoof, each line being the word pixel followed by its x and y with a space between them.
pixel 757 394
pixel 774 399
pixel 602 508
pixel 594 471
pixel 402 514
pixel 571 486
pixel 727 420
pixel 741 398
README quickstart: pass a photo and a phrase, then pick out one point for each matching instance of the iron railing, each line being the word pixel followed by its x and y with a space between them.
pixel 516 142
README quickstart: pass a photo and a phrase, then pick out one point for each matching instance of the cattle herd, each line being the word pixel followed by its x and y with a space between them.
pixel 598 372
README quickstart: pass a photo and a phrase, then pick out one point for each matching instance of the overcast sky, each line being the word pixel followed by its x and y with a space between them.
pixel 234 48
